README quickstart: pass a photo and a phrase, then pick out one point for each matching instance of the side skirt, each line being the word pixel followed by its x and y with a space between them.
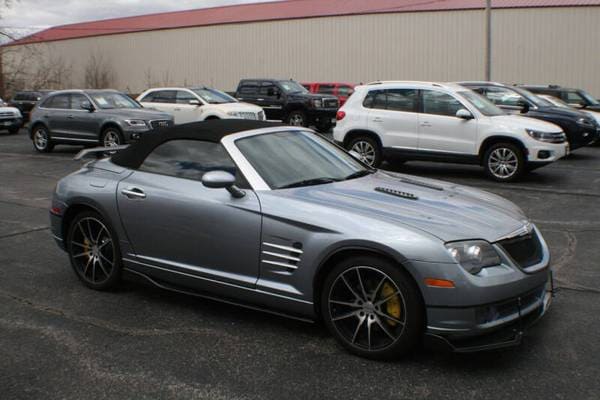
pixel 423 155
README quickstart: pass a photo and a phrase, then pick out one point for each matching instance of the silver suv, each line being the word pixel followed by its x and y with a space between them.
pixel 90 117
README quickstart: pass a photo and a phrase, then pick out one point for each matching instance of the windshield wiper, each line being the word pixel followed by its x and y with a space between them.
pixel 358 174
pixel 309 182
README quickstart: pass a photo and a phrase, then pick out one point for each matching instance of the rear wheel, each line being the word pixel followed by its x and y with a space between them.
pixel 296 118
pixel 94 251
pixel 504 162
pixel 41 139
pixel 368 149
pixel 372 307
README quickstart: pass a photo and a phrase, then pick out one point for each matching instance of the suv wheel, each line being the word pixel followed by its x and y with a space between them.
pixel 296 118
pixel 504 162
pixel 111 137
pixel 372 307
pixel 368 149
pixel 41 139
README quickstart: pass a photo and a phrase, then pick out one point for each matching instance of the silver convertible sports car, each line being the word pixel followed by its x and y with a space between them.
pixel 278 218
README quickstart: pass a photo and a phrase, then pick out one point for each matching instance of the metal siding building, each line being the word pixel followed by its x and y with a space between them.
pixel 534 41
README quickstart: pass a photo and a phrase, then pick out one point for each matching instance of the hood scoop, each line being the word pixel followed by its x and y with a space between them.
pixel 397 193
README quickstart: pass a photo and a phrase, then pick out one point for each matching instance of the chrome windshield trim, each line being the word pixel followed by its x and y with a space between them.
pixel 253 177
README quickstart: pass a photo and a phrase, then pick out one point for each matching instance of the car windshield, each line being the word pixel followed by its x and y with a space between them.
pixel 292 87
pixel 110 100
pixel 482 104
pixel 536 100
pixel 590 99
pixel 555 101
pixel 297 158
pixel 213 96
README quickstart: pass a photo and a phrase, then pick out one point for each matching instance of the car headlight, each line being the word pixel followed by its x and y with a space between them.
pixel 136 123
pixel 550 137
pixel 585 122
pixel 473 255
pixel 317 103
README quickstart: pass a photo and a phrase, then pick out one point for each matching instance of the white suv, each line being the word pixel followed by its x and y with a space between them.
pixel 198 104
pixel 444 122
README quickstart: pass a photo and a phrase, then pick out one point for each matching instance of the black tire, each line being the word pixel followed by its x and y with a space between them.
pixel 41 139
pixel 13 131
pixel 504 162
pixel 296 118
pixel 94 251
pixel 111 136
pixel 386 323
pixel 368 148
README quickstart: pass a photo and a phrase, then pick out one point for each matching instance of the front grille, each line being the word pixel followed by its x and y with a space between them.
pixel 496 311
pixel 7 114
pixel 163 123
pixel 525 250
pixel 249 115
pixel 330 103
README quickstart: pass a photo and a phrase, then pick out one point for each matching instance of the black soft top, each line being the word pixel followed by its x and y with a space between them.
pixel 213 131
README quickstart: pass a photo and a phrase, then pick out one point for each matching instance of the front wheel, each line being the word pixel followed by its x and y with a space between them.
pixel 504 162
pixel 111 137
pixel 297 118
pixel 373 308
pixel 41 140
pixel 94 251
pixel 368 149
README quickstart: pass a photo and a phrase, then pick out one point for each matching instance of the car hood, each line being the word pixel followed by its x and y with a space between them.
pixel 138 113
pixel 10 109
pixel 240 107
pixel 562 111
pixel 315 96
pixel 447 211
pixel 518 122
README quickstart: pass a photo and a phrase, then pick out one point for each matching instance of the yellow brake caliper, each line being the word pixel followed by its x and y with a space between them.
pixel 392 306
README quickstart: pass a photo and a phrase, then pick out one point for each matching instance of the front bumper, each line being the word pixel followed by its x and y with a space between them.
pixel 322 116
pixel 12 123
pixel 492 326
pixel 541 152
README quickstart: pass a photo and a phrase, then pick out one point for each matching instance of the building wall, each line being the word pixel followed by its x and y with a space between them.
pixel 541 45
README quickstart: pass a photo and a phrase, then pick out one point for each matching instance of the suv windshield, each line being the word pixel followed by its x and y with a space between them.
pixel 296 158
pixel 213 96
pixel 482 104
pixel 538 101
pixel 292 87
pixel 110 100
pixel 590 99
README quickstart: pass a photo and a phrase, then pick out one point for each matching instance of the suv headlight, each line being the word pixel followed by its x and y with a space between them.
pixel 473 255
pixel 317 103
pixel 136 123
pixel 550 137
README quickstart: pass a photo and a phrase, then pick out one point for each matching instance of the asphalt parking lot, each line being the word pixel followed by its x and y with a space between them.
pixel 61 340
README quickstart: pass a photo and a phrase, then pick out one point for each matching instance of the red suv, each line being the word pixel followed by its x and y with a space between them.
pixel 341 90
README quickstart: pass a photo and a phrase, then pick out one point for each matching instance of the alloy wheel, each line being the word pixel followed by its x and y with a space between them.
pixel 40 139
pixel 111 139
pixel 92 250
pixel 503 163
pixel 367 308
pixel 365 150
pixel 296 120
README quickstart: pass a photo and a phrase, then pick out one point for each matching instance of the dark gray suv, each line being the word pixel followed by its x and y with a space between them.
pixel 90 117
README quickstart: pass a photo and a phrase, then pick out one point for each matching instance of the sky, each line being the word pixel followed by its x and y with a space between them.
pixel 27 16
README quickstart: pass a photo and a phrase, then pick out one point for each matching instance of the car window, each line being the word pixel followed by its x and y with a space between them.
pixel 20 97
pixel 77 100
pixel 190 159
pixel 184 97
pixel 572 97
pixel 60 101
pixel 481 103
pixel 268 89
pixel 503 96
pixel 165 96
pixel 401 99
pixel 345 90
pixel 326 89
pixel 250 87
pixel 439 103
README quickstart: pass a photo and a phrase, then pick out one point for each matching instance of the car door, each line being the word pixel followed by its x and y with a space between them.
pixel 82 123
pixel 440 130
pixel 178 225
pixel 56 114
pixel 183 111
pixel 393 115
pixel 162 100
pixel 271 99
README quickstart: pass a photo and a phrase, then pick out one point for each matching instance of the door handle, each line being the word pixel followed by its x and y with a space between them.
pixel 177 109
pixel 134 193
pixel 426 124
pixel 377 119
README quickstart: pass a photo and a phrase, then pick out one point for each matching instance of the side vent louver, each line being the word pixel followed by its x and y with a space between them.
pixel 398 193
pixel 278 255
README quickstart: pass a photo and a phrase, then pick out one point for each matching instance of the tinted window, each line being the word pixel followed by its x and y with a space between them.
pixel 77 100
pixel 189 159
pixel 268 89
pixel 439 103
pixel 392 99
pixel 504 97
pixel 184 97
pixel 573 97
pixel 164 96
pixel 213 96
pixel 249 88
pixel 20 97
pixel 59 101
pixel 326 89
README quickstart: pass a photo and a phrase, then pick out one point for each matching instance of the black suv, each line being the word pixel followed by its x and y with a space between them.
pixel 290 102
pixel 574 97
pixel 580 128
pixel 25 100
pixel 91 117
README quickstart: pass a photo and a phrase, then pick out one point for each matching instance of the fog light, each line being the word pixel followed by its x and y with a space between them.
pixel 543 154
pixel 135 136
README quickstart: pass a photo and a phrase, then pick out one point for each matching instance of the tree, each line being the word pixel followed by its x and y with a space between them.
pixel 98 73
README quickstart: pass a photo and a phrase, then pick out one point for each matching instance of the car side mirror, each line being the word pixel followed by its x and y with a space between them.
pixel 464 114
pixel 86 105
pixel 222 180
pixel 194 102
